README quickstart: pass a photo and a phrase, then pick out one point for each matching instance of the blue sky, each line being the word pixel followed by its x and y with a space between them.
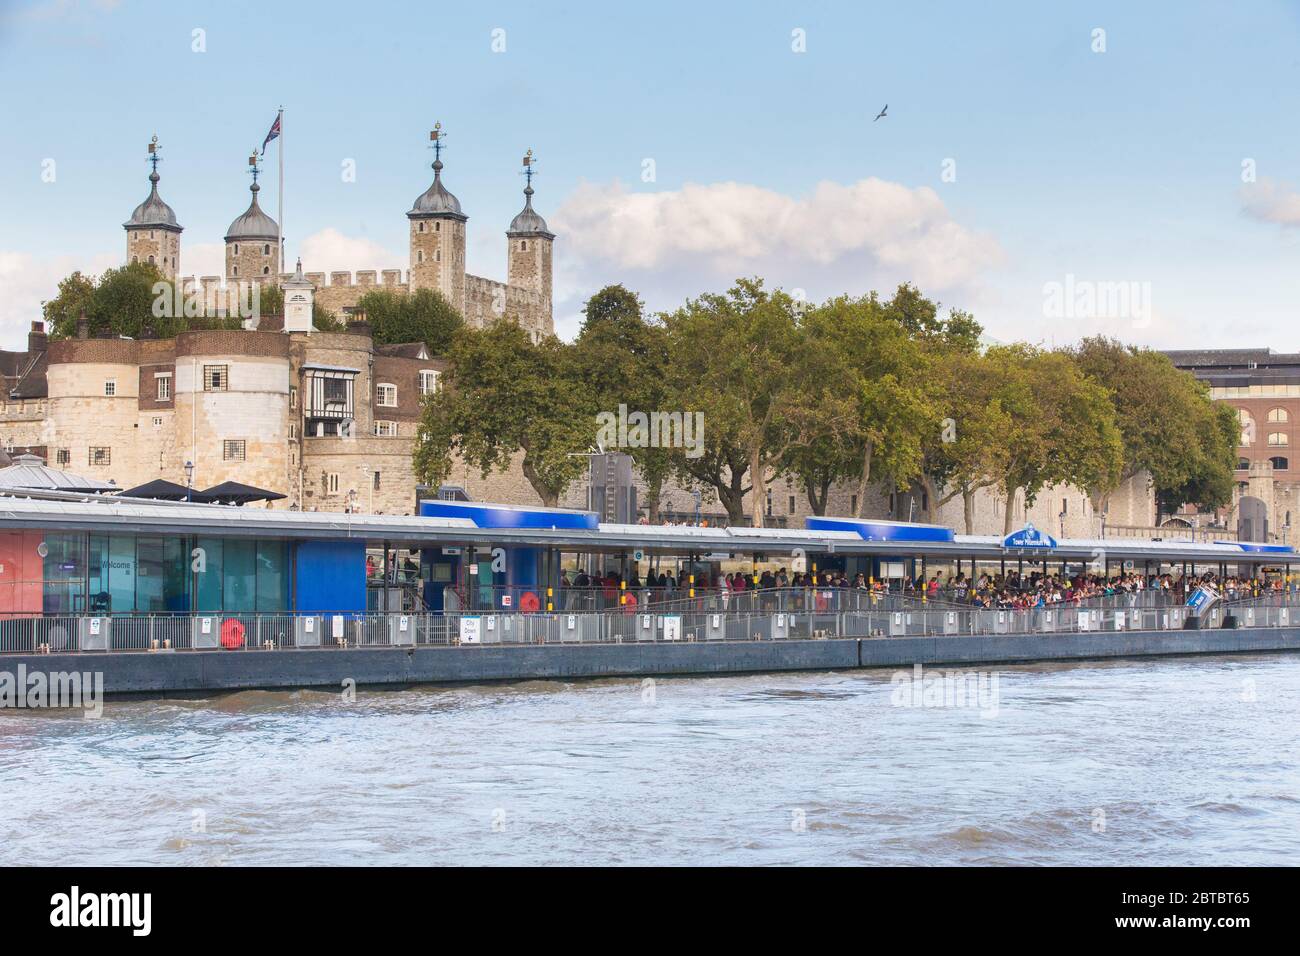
pixel 1122 166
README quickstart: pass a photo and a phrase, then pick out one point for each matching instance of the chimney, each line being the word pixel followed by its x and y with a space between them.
pixel 37 340
pixel 83 326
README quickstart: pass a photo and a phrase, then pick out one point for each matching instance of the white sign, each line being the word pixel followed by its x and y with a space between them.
pixel 780 620
pixel 645 620
pixel 638 555
pixel 573 621
pixel 672 628
pixel 205 625
pixel 505 600
pixel 403 622
pixel 94 625
pixel 309 625
pixel 451 551
pixel 717 620
pixel 469 630
pixel 336 625
pixel 492 623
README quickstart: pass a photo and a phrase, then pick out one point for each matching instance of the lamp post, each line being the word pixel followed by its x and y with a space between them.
pixel 189 481
pixel 1062 517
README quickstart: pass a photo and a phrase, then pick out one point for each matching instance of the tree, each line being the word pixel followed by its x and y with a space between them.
pixel 622 359
pixel 504 395
pixel 423 316
pixel 869 424
pixel 76 293
pixel 1063 427
pixel 742 360
pixel 1169 424
pixel 919 317
pixel 119 302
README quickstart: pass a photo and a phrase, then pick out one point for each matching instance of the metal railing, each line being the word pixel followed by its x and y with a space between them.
pixel 253 632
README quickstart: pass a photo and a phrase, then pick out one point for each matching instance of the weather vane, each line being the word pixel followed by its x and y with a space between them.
pixel 436 135
pixel 254 169
pixel 529 172
pixel 154 158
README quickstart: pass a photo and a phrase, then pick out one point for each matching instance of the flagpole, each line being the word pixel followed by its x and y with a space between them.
pixel 280 193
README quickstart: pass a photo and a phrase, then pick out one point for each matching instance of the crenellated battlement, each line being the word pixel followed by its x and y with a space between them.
pixel 362 278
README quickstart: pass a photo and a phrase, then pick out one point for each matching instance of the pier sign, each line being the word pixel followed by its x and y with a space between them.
pixel 470 632
pixel 1029 538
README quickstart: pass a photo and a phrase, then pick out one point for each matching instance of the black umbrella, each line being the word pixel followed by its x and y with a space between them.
pixel 161 489
pixel 234 493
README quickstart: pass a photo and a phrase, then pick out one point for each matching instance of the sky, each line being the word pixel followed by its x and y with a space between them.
pixel 1058 170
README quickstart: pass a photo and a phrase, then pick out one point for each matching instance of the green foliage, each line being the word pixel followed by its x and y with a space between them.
pixel 504 396
pixel 119 302
pixel 424 316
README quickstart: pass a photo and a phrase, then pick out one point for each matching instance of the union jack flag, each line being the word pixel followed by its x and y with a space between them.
pixel 275 132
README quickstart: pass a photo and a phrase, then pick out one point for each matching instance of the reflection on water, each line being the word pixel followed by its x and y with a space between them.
pixel 1190 761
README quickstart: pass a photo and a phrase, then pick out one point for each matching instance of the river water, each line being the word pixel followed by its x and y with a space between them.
pixel 1188 761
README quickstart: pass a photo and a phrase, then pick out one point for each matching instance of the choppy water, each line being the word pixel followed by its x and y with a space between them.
pixel 1192 761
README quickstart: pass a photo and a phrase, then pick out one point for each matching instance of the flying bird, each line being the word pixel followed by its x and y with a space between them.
pixel 882 112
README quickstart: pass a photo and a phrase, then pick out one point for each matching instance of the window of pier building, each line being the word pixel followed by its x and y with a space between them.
pixel 1277 439
pixel 92 573
pixel 1279 463
pixel 1278 416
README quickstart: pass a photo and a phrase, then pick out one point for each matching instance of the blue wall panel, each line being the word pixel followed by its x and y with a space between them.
pixel 509 516
pixel 331 575
pixel 881 530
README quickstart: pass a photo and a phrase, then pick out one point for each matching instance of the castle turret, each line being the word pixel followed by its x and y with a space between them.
pixel 530 242
pixel 253 241
pixel 438 236
pixel 298 293
pixel 152 233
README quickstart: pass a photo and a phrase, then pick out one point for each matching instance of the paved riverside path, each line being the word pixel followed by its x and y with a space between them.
pixel 183 672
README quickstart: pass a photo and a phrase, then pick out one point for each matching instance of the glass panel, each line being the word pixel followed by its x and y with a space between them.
pixel 65 573
pixel 240 567
pixel 272 576
pixel 162 576
pixel 208 580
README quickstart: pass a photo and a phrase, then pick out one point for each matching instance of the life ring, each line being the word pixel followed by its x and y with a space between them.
pixel 232 634
pixel 528 602
pixel 630 606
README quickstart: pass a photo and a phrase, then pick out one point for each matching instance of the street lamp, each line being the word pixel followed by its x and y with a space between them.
pixel 1062 517
pixel 189 481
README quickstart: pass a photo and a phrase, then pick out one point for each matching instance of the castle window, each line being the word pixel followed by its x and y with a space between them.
pixel 420 228
pixel 376 480
pixel 151 262
pixel 1279 464
pixel 523 245
pixel 232 449
pixel 437 227
pixel 110 387
pixel 62 456
pixel 216 378
pixel 150 233
pixel 1278 415
pixel 792 504
pixel 236 248
pixel 266 270
pixel 293 397
pixel 266 249
pixel 419 255
pixel 386 395
pixel 332 483
pixel 1243 464
pixel 437 256
pixel 234 270
pixel 164 380
pixel 386 429
pixel 293 431
pixel 135 260
pixel 1277 439
pixel 428 381
pixel 101 456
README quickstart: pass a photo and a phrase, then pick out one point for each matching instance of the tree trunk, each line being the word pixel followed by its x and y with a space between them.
pixel 968 507
pixel 931 499
pixel 864 480
pixel 653 492
pixel 758 486
pixel 550 497
pixel 1008 522
pixel 818 491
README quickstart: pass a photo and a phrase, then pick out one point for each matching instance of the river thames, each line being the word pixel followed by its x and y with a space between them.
pixel 1168 762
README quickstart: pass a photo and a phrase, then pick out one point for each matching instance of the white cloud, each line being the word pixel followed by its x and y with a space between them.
pixel 1270 201
pixel 26 282
pixel 330 250
pixel 840 238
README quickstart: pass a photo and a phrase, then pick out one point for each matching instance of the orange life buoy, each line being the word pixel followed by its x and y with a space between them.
pixel 232 634
pixel 528 602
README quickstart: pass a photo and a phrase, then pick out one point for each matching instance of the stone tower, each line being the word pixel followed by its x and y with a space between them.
pixel 529 243
pixel 297 302
pixel 253 241
pixel 438 236
pixel 152 233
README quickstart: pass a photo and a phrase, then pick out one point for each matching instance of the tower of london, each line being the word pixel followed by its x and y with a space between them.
pixel 437 228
